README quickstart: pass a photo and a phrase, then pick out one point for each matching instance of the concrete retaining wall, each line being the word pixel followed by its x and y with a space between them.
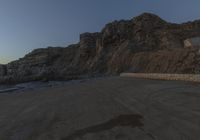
pixel 160 76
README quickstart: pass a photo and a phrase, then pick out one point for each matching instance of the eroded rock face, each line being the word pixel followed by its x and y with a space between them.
pixel 3 70
pixel 143 44
pixel 88 39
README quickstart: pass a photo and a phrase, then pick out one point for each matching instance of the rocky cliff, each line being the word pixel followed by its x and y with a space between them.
pixel 145 43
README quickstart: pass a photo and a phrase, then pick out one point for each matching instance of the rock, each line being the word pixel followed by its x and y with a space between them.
pixel 145 43
pixel 88 39
pixel 3 70
pixel 192 43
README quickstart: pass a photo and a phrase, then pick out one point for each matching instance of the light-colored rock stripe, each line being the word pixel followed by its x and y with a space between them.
pixel 162 76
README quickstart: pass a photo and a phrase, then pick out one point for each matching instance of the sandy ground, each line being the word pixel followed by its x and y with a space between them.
pixel 112 108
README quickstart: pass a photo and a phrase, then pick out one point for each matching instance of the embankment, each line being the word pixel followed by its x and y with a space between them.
pixel 161 76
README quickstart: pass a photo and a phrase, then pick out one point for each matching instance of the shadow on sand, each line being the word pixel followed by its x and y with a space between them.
pixel 132 120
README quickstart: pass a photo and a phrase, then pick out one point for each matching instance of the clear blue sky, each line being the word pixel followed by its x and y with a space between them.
pixel 29 24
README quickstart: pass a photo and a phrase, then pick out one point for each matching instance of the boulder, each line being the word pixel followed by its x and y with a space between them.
pixel 192 43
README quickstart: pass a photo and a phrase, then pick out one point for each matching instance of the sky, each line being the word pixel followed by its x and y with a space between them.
pixel 29 24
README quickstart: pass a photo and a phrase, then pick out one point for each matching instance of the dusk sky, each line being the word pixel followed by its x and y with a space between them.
pixel 29 24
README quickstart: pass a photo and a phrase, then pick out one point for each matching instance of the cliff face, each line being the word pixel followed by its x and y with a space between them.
pixel 143 44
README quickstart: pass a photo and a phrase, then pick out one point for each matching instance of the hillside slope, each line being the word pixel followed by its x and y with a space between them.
pixel 145 43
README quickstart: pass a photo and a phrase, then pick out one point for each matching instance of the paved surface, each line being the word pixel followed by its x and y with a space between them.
pixel 113 108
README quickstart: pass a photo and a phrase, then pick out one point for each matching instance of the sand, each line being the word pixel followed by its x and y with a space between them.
pixel 113 108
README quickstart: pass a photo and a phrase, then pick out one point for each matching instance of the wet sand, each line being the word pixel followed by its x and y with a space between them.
pixel 114 108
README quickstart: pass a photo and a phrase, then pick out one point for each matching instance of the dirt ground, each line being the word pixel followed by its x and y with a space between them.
pixel 113 108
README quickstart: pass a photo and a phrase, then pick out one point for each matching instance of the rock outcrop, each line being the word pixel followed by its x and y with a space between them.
pixel 145 43
pixel 192 42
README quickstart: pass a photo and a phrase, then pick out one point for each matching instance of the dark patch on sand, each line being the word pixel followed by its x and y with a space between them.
pixel 132 120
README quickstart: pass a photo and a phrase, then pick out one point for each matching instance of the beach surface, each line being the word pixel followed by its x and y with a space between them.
pixel 112 108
